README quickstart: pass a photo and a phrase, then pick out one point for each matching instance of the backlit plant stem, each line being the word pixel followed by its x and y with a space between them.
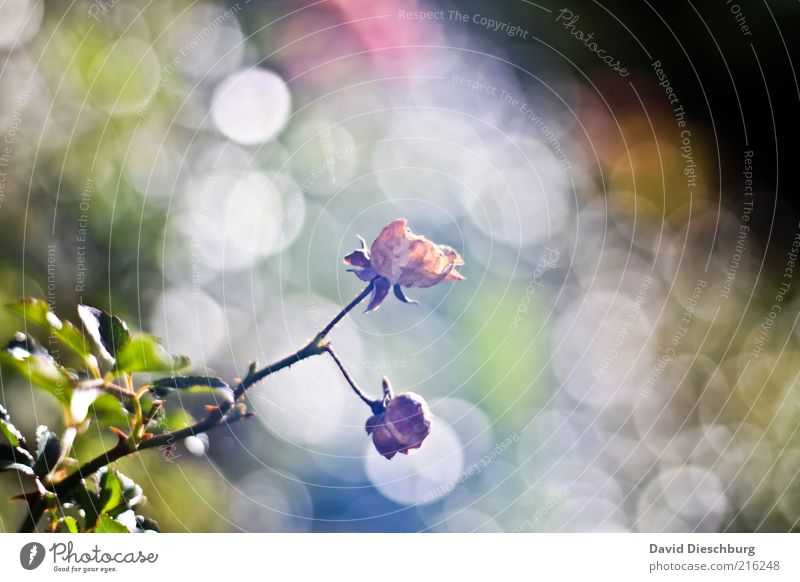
pixel 318 345
pixel 375 405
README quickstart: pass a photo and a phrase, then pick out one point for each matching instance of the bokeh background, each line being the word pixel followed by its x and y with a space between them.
pixel 623 355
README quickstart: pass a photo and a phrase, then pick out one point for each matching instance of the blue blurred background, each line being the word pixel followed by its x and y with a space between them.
pixel 614 360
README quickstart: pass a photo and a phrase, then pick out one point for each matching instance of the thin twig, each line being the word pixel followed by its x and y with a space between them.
pixel 375 405
pixel 315 347
pixel 110 387
pixel 358 299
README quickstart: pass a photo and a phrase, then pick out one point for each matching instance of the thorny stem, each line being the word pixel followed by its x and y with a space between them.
pixel 216 417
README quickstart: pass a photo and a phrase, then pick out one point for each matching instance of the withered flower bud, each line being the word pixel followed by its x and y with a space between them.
pixel 402 426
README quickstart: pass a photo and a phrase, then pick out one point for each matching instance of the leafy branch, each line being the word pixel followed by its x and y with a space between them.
pixel 227 411
pixel 95 496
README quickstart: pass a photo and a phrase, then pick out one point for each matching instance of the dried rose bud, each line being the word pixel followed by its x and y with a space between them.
pixel 399 258
pixel 402 426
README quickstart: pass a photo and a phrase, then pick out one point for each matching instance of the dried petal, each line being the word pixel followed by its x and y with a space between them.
pixel 385 443
pixel 358 259
pixel 379 293
pixel 410 260
pixel 373 422
pixel 367 274
pixel 408 419
pixel 398 292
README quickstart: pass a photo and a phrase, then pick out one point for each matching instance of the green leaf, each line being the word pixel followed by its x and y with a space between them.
pixel 164 386
pixel 15 459
pixel 144 353
pixel 177 418
pixel 107 524
pixel 30 360
pixel 38 311
pixel 131 492
pixel 117 492
pixel 110 489
pixel 67 524
pixel 108 410
pixel 81 401
pixel 48 451
pixel 109 333
pixel 8 430
pixel 22 346
pixel 13 436
pixel 88 501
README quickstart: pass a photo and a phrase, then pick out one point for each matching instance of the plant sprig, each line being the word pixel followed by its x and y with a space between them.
pixel 114 346
pixel 111 354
